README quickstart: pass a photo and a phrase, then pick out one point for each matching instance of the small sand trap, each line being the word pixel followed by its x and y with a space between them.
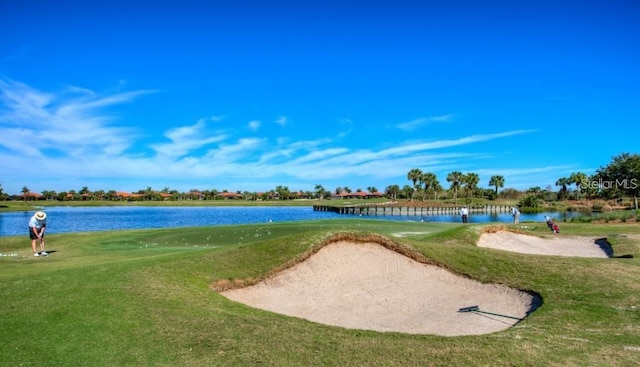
pixel 367 286
pixel 557 245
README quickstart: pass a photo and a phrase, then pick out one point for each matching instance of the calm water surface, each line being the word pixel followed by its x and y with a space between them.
pixel 88 219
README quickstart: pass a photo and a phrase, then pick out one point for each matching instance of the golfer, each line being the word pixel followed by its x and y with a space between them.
pixel 516 214
pixel 464 213
pixel 37 226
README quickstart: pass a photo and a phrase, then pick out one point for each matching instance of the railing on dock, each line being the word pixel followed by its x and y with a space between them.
pixel 408 210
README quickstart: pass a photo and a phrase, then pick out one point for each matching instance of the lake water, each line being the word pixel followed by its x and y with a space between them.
pixel 89 219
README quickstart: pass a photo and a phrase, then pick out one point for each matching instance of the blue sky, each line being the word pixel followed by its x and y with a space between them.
pixel 247 95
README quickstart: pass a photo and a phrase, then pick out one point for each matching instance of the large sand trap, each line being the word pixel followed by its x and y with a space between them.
pixel 367 286
pixel 557 245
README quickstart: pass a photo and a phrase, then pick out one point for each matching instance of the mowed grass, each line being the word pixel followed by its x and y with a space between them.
pixel 144 298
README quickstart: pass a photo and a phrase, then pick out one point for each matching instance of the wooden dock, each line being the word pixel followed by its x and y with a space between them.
pixel 408 210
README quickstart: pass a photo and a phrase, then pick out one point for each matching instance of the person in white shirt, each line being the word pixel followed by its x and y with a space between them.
pixel 516 214
pixel 464 213
pixel 37 226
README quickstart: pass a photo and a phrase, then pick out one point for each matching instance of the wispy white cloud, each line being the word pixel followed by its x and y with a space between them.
pixel 186 139
pixel 286 150
pixel 416 123
pixel 254 125
pixel 75 135
pixel 69 123
pixel 415 147
pixel 240 150
pixel 282 121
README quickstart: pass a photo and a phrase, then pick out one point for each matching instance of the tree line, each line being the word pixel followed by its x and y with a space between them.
pixel 620 178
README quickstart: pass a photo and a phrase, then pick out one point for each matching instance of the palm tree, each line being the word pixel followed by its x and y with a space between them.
pixel 48 195
pixel 577 178
pixel 497 181
pixel 25 194
pixel 3 195
pixel 437 189
pixel 563 182
pixel 430 180
pixel 99 194
pixel 392 191
pixel 455 178
pixel 319 190
pixel 471 183
pixel 148 193
pixel 283 192
pixel 406 191
pixel 415 175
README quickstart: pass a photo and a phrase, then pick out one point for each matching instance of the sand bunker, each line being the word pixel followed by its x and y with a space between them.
pixel 367 286
pixel 557 245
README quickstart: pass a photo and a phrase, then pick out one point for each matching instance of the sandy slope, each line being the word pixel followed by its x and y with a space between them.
pixel 557 245
pixel 367 286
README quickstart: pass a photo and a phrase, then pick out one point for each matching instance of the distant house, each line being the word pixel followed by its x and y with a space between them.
pixel 301 195
pixel 30 196
pixel 197 195
pixel 229 195
pixel 122 195
pixel 128 196
pixel 165 196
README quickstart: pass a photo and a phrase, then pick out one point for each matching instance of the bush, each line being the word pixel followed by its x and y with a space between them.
pixel 531 201
pixel 490 195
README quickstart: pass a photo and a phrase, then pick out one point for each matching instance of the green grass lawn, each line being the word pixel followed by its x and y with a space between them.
pixel 144 298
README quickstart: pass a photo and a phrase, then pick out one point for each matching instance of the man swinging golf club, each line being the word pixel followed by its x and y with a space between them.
pixel 37 226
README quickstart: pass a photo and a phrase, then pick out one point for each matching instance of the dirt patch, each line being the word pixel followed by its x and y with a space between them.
pixel 368 286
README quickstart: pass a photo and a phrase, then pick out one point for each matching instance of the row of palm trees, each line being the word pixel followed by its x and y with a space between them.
pixel 428 184
pixel 424 184
pixel 280 192
pixel 577 178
